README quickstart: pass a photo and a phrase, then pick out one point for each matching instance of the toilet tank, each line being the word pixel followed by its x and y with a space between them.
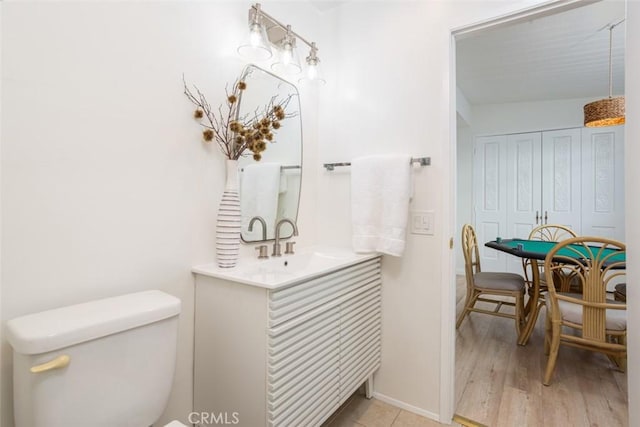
pixel 113 362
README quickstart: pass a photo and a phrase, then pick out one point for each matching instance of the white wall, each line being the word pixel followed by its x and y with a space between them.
pixel 632 210
pixel 106 187
pixel 518 117
pixel 464 188
pixel 1 323
pixel 375 103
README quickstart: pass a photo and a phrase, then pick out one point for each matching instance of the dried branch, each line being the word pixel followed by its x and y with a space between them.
pixel 236 135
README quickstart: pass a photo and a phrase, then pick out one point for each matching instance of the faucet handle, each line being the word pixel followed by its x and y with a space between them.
pixel 289 248
pixel 262 251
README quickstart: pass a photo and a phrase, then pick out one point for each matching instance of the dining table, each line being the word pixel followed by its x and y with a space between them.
pixel 536 251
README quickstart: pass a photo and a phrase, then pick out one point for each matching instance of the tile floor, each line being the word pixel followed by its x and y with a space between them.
pixel 361 412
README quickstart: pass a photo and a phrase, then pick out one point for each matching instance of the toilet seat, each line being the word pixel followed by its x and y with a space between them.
pixel 175 423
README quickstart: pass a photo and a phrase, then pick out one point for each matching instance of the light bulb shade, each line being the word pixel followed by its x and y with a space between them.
pixel 605 112
pixel 255 46
pixel 288 62
pixel 313 73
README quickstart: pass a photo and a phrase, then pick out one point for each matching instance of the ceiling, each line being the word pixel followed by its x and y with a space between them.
pixel 561 56
pixel 324 5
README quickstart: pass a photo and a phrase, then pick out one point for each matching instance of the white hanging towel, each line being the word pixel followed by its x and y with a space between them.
pixel 380 193
pixel 259 189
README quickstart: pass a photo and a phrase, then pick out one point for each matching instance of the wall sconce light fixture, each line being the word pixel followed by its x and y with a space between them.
pixel 256 44
pixel 288 62
pixel 266 31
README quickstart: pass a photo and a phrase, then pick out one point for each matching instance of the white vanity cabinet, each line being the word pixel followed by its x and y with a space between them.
pixel 289 355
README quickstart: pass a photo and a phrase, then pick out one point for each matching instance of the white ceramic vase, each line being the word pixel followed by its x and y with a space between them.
pixel 228 224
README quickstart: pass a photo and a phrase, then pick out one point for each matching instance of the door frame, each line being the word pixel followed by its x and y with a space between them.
pixel 448 331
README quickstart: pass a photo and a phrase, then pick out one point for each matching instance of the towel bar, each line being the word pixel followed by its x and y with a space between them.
pixel 283 167
pixel 423 161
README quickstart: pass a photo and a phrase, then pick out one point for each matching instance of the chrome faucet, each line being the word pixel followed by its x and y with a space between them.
pixel 264 226
pixel 276 244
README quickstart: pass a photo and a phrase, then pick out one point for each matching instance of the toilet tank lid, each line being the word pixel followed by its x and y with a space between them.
pixel 62 327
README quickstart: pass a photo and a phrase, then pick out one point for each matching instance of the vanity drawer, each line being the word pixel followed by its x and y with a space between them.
pixel 287 345
pixel 318 294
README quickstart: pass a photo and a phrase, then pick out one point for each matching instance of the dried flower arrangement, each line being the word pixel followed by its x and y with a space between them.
pixel 235 134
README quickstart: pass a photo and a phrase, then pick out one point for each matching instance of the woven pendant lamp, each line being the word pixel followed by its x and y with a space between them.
pixel 604 112
pixel 608 111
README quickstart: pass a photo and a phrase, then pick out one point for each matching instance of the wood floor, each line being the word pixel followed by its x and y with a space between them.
pixel 499 383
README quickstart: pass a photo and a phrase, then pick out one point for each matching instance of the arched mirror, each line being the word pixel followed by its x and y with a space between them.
pixel 270 187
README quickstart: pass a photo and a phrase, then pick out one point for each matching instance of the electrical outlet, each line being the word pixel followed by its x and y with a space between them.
pixel 422 222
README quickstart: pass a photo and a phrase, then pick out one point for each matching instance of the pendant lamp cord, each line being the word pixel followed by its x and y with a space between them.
pixel 610 61
pixel 611 27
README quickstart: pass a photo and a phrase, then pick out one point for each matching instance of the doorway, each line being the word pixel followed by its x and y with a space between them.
pixel 464 209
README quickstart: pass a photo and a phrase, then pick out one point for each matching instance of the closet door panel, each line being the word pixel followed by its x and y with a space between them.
pixel 561 189
pixel 523 188
pixel 490 190
pixel 603 182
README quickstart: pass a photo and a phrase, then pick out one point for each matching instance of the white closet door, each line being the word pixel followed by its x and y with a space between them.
pixel 523 188
pixel 561 190
pixel 490 163
pixel 603 182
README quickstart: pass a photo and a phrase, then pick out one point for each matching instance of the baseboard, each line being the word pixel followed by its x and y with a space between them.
pixel 406 406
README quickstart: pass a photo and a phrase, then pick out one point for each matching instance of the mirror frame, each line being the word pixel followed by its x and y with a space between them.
pixel 248 69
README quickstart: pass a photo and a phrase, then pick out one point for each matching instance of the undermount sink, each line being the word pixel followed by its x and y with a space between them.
pixel 286 269
pixel 297 263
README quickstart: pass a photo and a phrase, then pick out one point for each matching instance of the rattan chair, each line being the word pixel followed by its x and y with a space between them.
pixel 547 233
pixel 551 233
pixel 587 320
pixel 486 286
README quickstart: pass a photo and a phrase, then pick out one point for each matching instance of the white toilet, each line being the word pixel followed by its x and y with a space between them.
pixel 104 363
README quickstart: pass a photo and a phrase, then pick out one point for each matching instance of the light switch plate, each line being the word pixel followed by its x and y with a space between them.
pixel 422 222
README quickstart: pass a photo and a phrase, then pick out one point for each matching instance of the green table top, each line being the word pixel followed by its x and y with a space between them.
pixel 538 249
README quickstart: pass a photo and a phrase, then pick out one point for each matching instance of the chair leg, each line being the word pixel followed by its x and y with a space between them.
pixel 553 352
pixel 622 363
pixel 468 305
pixel 531 324
pixel 547 334
pixel 620 360
pixel 536 313
pixel 519 313
pixel 461 317
pixel 527 308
